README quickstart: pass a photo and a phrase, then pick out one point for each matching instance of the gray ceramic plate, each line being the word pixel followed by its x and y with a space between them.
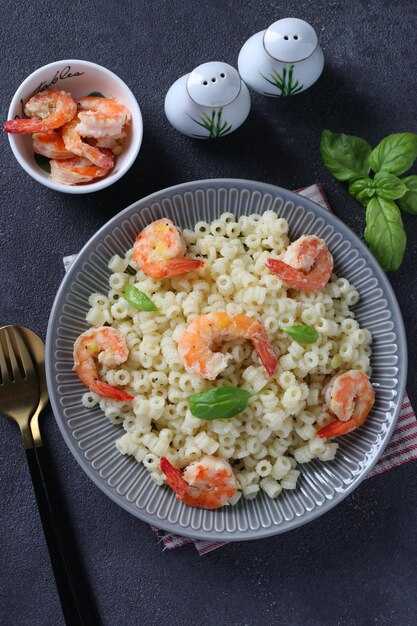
pixel 91 437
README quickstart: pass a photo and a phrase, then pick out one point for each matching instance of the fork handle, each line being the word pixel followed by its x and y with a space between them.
pixel 76 604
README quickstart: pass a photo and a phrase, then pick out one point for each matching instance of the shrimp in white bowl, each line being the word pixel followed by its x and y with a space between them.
pixel 51 145
pixel 74 143
pixel 75 171
pixel 100 117
pixel 49 109
pixel 91 128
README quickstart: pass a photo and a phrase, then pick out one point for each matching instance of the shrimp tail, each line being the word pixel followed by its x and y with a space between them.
pixel 103 158
pixel 106 390
pixel 266 355
pixel 173 267
pixel 174 477
pixel 337 428
pixel 287 273
pixel 24 126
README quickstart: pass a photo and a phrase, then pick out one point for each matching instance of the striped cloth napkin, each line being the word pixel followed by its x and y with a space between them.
pixel 401 448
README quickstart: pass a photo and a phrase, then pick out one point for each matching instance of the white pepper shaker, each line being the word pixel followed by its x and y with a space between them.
pixel 282 60
pixel 210 102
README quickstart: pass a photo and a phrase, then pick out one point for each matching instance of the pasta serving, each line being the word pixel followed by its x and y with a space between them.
pixel 225 273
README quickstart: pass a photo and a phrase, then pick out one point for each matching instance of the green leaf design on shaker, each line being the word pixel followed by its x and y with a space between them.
pixel 215 124
pixel 219 403
pixel 284 82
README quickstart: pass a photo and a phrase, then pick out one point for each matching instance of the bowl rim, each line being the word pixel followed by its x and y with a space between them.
pixel 402 354
pixel 101 183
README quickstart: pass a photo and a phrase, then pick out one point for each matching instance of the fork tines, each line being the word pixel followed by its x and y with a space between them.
pixel 14 355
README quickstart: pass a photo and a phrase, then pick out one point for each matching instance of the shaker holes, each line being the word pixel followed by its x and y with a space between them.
pixel 213 80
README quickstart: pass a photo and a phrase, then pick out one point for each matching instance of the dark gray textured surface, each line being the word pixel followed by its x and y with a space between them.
pixel 357 564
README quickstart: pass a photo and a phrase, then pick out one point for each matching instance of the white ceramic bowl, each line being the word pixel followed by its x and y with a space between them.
pixel 79 78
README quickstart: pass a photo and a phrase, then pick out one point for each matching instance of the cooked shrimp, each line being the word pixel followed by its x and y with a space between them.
pixel 159 251
pixel 51 145
pixel 101 116
pixel 109 347
pixel 74 143
pixel 54 108
pixel 76 170
pixel 349 397
pixel 114 143
pixel 197 340
pixel 205 484
pixel 307 264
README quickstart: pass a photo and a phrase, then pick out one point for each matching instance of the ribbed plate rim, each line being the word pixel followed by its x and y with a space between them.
pixel 306 204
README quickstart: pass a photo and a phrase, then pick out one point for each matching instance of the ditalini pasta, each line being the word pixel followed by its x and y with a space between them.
pixel 277 430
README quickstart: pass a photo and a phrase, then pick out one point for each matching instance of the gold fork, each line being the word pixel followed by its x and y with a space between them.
pixel 23 394
pixel 19 387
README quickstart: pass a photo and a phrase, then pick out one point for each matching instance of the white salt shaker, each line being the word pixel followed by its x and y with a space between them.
pixel 210 102
pixel 282 60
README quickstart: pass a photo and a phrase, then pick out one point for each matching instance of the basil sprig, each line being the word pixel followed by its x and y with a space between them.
pixel 138 299
pixel 349 158
pixel 302 334
pixel 219 403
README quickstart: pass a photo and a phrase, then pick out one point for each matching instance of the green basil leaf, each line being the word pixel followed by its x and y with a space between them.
pixel 389 186
pixel 43 162
pixel 138 299
pixel 96 94
pixel 345 156
pixel 408 202
pixel 363 189
pixel 384 232
pixel 302 334
pixel 394 154
pixel 219 403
